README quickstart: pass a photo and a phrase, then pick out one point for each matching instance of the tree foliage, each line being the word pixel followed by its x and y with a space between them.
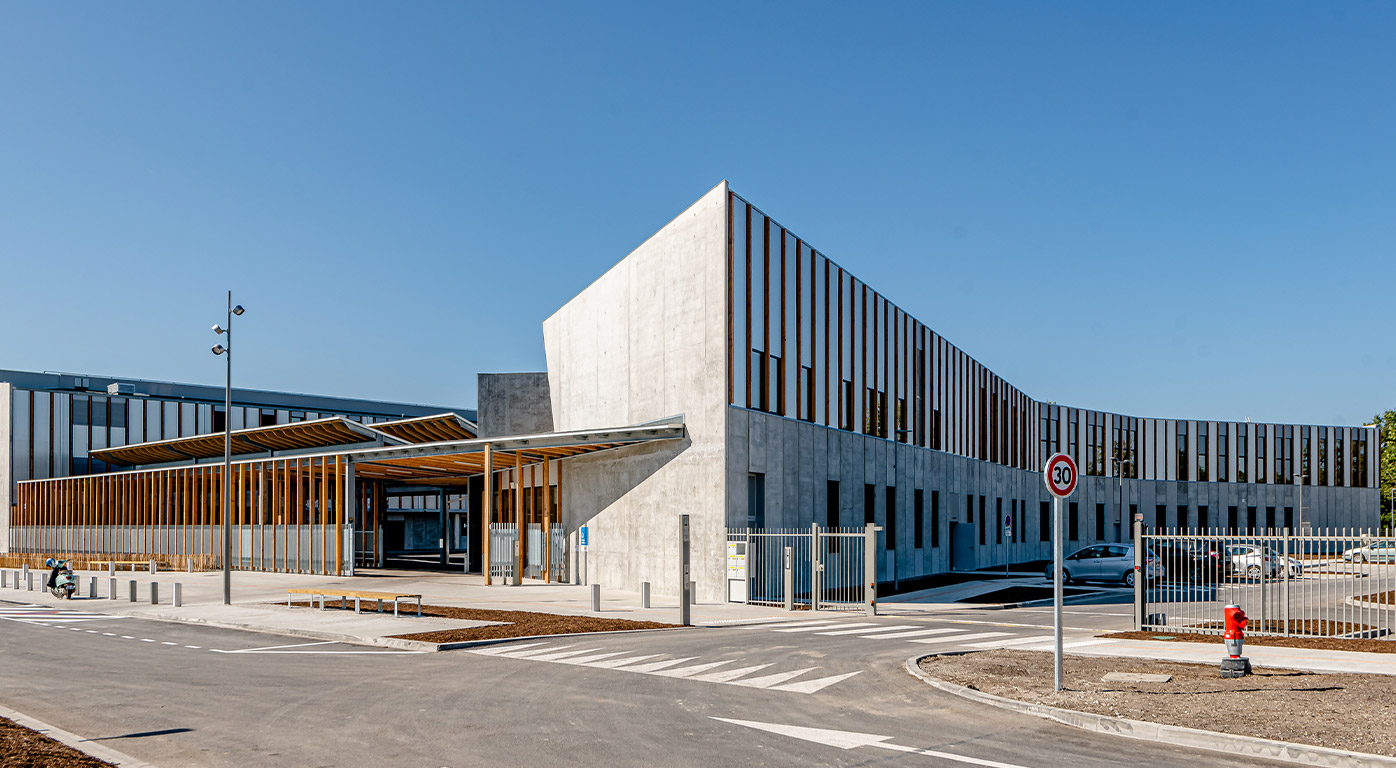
pixel 1386 440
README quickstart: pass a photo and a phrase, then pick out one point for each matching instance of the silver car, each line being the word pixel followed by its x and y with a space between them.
pixel 1376 552
pixel 1105 562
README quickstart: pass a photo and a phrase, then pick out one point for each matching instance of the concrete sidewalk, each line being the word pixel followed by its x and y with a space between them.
pixel 1306 659
pixel 259 602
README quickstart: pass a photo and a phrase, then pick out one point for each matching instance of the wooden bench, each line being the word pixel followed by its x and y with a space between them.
pixel 357 594
pixel 134 564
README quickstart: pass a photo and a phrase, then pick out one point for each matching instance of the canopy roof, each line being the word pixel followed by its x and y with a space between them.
pixel 440 428
pixel 301 435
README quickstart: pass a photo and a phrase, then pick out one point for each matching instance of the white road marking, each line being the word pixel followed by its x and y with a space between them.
pixel 891 628
pixel 557 656
pixel 193 647
pixel 729 674
pixel 770 680
pixel 813 686
pixel 586 660
pixel 796 624
pixel 534 652
pixel 831 626
pixel 646 669
pixel 494 650
pixel 853 740
pixel 146 640
pixel 693 670
pixel 961 638
pixel 167 642
pixel 278 647
pixel 623 662
pixel 127 637
pixel 917 633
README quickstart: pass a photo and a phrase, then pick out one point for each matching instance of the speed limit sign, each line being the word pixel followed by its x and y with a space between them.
pixel 1060 475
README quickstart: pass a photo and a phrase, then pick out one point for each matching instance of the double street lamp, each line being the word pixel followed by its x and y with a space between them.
pixel 227 353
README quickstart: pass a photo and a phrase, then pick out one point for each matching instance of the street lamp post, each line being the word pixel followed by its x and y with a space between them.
pixel 227 353
pixel 1120 475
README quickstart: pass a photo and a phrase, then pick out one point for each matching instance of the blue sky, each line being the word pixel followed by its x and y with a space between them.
pixel 1180 209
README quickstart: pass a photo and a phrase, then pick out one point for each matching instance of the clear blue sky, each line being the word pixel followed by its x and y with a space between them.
pixel 1195 199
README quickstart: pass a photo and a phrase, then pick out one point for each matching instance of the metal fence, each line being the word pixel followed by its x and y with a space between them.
pixel 1325 584
pixel 503 538
pixel 803 568
pixel 533 569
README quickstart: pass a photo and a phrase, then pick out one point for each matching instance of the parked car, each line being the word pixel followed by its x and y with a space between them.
pixel 1253 560
pixel 1106 562
pixel 1201 560
pixel 1375 552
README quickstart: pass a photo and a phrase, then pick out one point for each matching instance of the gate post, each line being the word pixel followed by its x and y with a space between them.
pixel 1284 613
pixel 789 579
pixel 814 567
pixel 870 568
pixel 1139 575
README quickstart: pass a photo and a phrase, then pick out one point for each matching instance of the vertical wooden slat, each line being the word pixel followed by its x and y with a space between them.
pixel 488 503
pixel 323 512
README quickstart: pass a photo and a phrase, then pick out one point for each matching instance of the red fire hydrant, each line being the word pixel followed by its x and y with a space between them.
pixel 1234 636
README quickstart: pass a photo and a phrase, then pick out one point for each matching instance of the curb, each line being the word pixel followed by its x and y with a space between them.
pixel 73 740
pixel 1245 746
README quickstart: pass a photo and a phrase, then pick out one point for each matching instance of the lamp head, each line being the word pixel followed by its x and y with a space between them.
pixel 217 328
pixel 219 349
pixel 237 310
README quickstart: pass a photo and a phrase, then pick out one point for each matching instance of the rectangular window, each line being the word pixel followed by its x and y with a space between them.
pixel 983 520
pixel 755 500
pixel 1289 517
pixel 891 526
pixel 935 518
pixel 1250 519
pixel 1231 521
pixel 118 413
pixel 917 524
pixel 807 397
pixel 1321 475
pixel 1223 469
pixel 1073 522
pixel 1100 522
pixel 1202 516
pixel 1304 469
pixel 969 509
pixel 869 504
pixel 220 419
pixel 776 399
pixel 1133 510
pixel 846 406
pixel 1202 451
pixel 1269 518
pixel 998 520
pixel 1182 516
pixel 80 417
pixel 831 505
pixel 1259 453
pixel 1044 521
pixel 1338 478
pixel 1241 453
pixel 1160 516
pixel 1182 450
pixel 268 418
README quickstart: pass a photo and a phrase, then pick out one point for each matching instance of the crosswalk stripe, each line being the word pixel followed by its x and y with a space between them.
pixel 504 648
pixel 831 626
pixel 861 631
pixel 730 674
pixel 657 665
pixel 813 686
pixel 792 624
pixel 917 633
pixel 533 652
pixel 1050 645
pixel 586 660
pixel 1006 643
pixel 553 656
pixel 693 670
pixel 628 660
pixel 770 680
pixel 961 638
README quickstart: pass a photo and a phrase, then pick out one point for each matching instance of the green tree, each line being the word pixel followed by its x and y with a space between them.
pixel 1386 442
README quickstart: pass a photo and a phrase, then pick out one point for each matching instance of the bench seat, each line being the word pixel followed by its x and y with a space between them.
pixel 357 594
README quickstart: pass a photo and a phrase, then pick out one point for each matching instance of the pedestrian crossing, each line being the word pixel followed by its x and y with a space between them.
pixel 945 637
pixel 45 614
pixel 684 668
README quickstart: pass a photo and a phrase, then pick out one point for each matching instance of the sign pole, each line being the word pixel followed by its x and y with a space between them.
pixel 1057 592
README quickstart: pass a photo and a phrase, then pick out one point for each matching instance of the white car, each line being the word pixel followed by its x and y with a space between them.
pixel 1376 552
pixel 1250 560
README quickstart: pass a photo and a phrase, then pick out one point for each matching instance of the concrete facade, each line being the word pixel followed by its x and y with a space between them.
pixel 647 341
pixel 513 404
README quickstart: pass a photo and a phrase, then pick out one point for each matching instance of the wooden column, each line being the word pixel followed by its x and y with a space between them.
pixel 547 524
pixel 518 519
pixel 324 511
pixel 487 513
pixel 339 480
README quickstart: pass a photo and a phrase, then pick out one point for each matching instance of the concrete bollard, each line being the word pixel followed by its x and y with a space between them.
pixel 29 582
pixel 4 579
pixel 92 587
pixel 111 589
pixel 133 590
pixel 596 598
pixel 153 566
pixel 111 567
pixel 644 594
pixel 188 566
pixel 154 593
pixel 25 571
pixel 178 596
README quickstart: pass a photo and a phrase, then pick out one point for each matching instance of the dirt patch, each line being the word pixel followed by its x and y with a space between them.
pixel 517 624
pixel 1381 598
pixel 22 748
pixel 1341 711
pixel 1323 643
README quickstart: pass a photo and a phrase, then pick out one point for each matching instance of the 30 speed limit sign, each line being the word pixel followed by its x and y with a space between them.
pixel 1060 475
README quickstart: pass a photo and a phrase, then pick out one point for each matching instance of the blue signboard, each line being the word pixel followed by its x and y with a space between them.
pixel 585 536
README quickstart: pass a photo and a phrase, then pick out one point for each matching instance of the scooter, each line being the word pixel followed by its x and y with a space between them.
pixel 61 581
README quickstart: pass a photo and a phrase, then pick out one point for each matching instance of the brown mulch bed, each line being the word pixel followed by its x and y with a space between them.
pixel 1340 711
pixel 1381 598
pixel 1322 643
pixel 516 624
pixel 23 748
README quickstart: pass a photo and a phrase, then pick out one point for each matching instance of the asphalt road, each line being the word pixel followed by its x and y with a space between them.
pixel 177 695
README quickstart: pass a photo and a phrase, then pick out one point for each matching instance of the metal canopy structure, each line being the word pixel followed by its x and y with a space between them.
pixel 454 462
pixel 301 435
pixel 440 428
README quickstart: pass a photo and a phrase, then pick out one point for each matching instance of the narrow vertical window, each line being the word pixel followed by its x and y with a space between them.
pixel 890 531
pixel 831 505
pixel 917 524
pixel 755 500
pixel 935 519
pixel 1044 521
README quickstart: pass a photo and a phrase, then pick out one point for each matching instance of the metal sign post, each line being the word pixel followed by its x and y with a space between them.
pixel 1060 476
pixel 684 595
pixel 1007 542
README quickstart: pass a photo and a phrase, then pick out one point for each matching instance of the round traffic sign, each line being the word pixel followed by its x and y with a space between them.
pixel 1060 475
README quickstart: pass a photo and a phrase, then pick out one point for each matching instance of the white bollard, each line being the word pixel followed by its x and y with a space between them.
pixel 4 578
pixel 644 594
pixel 596 598
pixel 111 567
pixel 111 589
pixel 133 590
pixel 178 597
pixel 692 593
pixel 29 582
pixel 92 587
pixel 154 593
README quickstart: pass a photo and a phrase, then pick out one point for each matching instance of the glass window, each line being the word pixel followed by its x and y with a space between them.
pixel 755 500
pixel 1201 451
pixel 1241 453
pixel 79 411
pixel 1182 450
pixel 1260 462
pixel 1223 451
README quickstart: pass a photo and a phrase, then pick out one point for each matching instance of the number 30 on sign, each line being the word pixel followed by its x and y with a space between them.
pixel 1060 475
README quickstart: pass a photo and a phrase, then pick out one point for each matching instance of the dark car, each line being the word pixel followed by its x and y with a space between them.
pixel 1196 560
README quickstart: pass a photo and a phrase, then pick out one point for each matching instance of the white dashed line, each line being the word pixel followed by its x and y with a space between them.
pixel 146 640
pixel 167 642
pixel 193 647
pixel 127 637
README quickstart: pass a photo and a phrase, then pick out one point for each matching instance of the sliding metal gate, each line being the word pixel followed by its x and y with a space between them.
pixel 503 537
pixel 827 568
pixel 1333 584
